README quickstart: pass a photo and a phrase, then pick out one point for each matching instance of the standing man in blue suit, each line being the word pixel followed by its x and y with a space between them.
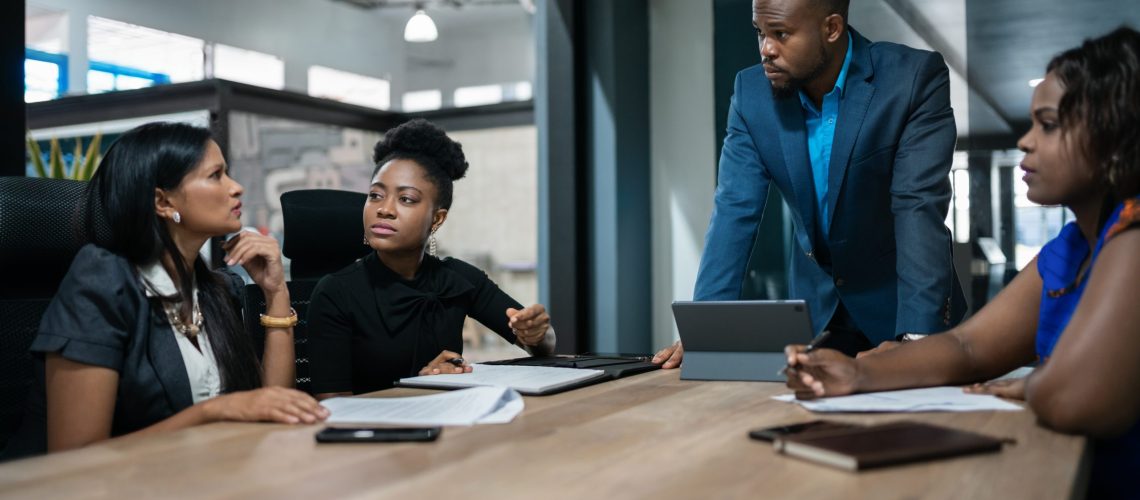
pixel 859 138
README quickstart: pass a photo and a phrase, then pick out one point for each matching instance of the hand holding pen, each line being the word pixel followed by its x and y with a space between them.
pixel 446 362
pixel 814 371
pixel 815 343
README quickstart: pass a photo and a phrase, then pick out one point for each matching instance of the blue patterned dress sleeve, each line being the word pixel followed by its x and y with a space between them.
pixel 1116 460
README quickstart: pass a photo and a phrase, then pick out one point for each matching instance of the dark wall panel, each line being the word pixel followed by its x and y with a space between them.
pixel 12 88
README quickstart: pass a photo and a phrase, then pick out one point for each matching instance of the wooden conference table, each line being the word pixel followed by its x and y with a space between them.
pixel 647 436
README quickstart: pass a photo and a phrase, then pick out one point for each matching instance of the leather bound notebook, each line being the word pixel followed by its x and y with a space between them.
pixel 885 444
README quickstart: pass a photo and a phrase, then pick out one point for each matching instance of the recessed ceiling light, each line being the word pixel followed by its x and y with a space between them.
pixel 1035 82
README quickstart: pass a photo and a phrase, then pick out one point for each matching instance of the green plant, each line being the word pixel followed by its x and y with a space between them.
pixel 83 164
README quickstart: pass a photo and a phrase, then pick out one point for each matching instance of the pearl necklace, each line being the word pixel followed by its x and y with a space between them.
pixel 189 331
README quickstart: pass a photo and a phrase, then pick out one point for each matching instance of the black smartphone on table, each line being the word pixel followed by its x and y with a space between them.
pixel 770 434
pixel 377 434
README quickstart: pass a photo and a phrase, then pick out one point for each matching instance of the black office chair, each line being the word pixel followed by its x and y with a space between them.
pixel 299 293
pixel 324 231
pixel 42 227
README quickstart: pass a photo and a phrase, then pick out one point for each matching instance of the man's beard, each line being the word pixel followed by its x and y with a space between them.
pixel 796 83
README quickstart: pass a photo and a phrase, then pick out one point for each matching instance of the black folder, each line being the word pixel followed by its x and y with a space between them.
pixel 615 366
pixel 881 445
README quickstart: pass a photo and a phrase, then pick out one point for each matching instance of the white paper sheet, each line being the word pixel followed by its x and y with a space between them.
pixel 1022 372
pixel 910 400
pixel 526 379
pixel 478 405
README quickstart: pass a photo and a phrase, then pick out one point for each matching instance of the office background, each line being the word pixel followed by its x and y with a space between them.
pixel 592 126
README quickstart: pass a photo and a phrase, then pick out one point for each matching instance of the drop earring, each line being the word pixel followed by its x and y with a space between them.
pixel 365 238
pixel 177 217
pixel 431 243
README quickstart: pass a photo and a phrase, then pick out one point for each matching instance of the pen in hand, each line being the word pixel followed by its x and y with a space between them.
pixel 816 342
pixel 456 361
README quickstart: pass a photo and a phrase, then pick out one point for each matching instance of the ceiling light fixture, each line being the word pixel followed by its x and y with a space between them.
pixel 420 28
pixel 1035 82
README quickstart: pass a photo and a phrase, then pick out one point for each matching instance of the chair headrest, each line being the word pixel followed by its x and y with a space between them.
pixel 324 230
pixel 42 227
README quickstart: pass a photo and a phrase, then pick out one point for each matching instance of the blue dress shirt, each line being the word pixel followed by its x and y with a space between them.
pixel 820 133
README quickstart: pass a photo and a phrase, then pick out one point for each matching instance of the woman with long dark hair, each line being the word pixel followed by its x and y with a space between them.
pixel 1072 311
pixel 142 336
pixel 399 311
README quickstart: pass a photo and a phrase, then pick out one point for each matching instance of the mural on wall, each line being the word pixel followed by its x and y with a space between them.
pixel 270 156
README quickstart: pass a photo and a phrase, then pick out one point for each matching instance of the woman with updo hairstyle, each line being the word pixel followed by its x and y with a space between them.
pixel 399 311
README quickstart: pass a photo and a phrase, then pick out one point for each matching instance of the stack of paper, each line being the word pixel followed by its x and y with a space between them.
pixel 530 380
pixel 910 400
pixel 479 405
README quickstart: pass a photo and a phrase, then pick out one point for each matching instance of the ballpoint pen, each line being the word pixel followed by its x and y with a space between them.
pixel 820 339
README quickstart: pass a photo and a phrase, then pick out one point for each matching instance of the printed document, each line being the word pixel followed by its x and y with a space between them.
pixel 910 400
pixel 478 405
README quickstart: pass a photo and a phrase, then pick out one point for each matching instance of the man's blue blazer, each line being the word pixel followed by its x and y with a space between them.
pixel 891 260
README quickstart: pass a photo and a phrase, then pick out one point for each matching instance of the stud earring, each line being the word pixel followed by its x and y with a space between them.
pixel 431 243
pixel 177 217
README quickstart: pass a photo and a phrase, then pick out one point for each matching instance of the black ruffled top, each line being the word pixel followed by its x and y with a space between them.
pixel 369 327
